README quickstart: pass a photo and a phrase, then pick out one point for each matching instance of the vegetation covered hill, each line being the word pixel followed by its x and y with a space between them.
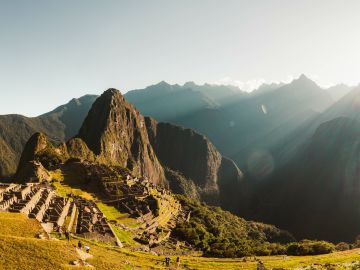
pixel 321 183
pixel 298 157
pixel 244 123
pixel 114 133
pixel 316 175
pixel 59 125
pixel 201 227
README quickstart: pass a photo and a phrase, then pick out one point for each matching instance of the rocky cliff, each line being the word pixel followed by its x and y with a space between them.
pixel 39 152
pixel 115 132
pixel 194 156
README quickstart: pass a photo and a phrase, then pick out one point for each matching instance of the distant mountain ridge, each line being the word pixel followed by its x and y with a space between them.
pixel 317 174
pixel 320 182
pixel 72 114
pixel 252 121
pixel 115 134
pixel 59 125
pixel 277 133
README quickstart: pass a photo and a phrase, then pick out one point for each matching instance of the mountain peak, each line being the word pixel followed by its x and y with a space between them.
pixel 162 83
pixel 115 132
pixel 190 84
pixel 112 93
pixel 304 81
pixel 303 77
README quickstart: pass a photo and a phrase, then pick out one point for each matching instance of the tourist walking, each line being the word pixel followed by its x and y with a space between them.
pixel 177 262
pixel 79 245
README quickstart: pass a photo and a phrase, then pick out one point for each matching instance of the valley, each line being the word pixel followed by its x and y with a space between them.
pixel 130 186
pixel 179 135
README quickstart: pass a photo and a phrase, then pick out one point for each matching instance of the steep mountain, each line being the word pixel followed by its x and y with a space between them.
pixel 39 156
pixel 266 87
pixel 314 181
pixel 347 106
pixel 58 125
pixel 72 114
pixel 115 158
pixel 116 133
pixel 246 124
pixel 167 102
pixel 193 155
pixel 254 122
pixel 15 130
pixel 219 94
pixel 339 90
pixel 315 194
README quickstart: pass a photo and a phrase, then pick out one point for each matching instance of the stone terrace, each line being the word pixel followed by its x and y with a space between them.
pixel 92 223
pixel 152 206
pixel 57 213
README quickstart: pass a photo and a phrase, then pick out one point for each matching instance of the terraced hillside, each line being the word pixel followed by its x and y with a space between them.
pixel 138 210
pixel 20 248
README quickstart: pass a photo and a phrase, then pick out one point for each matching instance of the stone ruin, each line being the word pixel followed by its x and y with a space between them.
pixel 56 213
pixel 91 222
pixel 136 196
pixel 131 195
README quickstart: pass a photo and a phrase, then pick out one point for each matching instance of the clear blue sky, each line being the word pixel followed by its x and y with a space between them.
pixel 51 51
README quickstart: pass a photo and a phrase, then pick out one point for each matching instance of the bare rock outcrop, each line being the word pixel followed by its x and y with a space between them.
pixel 115 132
pixel 40 149
pixel 194 156
pixel 33 172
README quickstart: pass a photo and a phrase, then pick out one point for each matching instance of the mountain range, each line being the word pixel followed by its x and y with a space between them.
pixel 284 153
pixel 114 133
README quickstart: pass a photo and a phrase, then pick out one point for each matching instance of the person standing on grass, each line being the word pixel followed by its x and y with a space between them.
pixel 79 245
pixel 60 232
pixel 167 261
pixel 67 235
pixel 177 262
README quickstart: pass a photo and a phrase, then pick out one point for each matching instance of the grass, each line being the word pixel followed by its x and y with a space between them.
pixel 288 262
pixel 14 224
pixel 64 189
pixel 20 249
pixel 107 257
pixel 110 212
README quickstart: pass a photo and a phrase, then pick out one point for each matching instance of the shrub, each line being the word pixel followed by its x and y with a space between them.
pixel 342 246
pixel 220 234
pixel 307 247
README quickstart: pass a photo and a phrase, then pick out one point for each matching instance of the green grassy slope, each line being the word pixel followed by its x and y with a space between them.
pixel 20 249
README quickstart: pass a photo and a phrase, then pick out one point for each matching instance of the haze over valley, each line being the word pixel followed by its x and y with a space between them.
pixel 179 135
